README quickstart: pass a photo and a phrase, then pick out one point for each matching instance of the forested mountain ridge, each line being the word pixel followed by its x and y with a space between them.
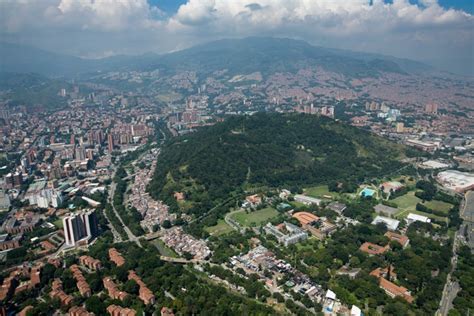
pixel 253 54
pixel 273 150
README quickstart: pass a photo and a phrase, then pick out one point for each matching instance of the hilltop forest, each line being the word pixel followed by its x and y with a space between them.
pixel 274 150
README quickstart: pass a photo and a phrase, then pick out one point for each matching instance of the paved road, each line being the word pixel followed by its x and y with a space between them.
pixel 451 288
pixel 129 233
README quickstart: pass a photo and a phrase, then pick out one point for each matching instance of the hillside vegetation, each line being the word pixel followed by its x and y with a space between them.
pixel 269 150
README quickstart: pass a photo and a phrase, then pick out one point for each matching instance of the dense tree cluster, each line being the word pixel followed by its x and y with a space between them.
pixel 273 150
pixel 464 274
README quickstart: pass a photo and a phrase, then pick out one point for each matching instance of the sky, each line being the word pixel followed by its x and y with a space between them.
pixel 438 32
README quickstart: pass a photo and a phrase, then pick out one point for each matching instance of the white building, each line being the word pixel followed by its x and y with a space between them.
pixel 307 199
pixel 80 227
pixel 46 198
pixel 456 180
pixel 392 224
pixel 294 235
pixel 411 218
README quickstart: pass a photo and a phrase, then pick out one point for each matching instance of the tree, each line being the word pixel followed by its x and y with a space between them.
pixel 131 287
pixel 95 305
pixel 166 224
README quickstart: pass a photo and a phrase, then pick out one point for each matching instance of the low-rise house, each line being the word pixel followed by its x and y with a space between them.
pixel 113 290
pixel 81 284
pixel 144 293
pixel 116 257
pixel 390 288
pixel 79 311
pixel 401 239
pixel 115 310
pixel 7 242
pixel 373 249
pixel 318 227
pixel 57 292
pixel 166 311
pixel 91 263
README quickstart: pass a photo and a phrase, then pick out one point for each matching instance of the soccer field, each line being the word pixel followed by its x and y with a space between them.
pixel 255 218
pixel 220 229
pixel 407 201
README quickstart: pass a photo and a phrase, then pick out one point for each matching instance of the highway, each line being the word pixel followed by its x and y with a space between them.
pixel 451 288
pixel 129 233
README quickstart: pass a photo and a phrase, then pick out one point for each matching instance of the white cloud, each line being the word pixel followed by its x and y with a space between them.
pixel 424 31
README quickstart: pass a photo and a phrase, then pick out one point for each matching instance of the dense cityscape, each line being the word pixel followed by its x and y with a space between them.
pixel 251 176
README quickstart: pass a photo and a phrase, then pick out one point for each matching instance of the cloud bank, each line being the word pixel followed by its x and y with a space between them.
pixel 94 28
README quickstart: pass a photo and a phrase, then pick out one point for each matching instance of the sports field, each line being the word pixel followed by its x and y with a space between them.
pixel 407 204
pixel 255 218
pixel 220 229
pixel 319 191
pixel 407 201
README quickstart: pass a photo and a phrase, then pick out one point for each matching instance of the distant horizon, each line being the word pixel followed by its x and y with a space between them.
pixel 235 38
pixel 436 32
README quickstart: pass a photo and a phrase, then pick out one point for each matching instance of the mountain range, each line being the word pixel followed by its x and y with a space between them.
pixel 237 56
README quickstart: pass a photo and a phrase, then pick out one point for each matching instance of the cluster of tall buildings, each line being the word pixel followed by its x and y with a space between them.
pixel 311 109
pixel 80 227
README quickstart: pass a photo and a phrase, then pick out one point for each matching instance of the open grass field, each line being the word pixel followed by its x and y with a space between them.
pixel 405 213
pixel 163 249
pixel 320 191
pixel 407 201
pixel 438 206
pixel 256 218
pixel 407 204
pixel 220 229
pixel 58 223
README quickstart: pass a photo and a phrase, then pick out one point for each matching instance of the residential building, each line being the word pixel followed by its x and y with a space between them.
pixel 115 310
pixel 373 249
pixel 113 290
pixel 91 263
pixel 144 293
pixel 80 227
pixel 401 239
pixel 116 257
pixel 79 311
pixel 390 288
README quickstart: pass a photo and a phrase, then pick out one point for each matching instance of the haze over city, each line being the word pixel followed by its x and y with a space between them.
pixel 437 32
pixel 237 157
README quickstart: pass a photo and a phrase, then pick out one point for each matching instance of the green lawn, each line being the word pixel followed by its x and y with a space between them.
pixel 407 204
pixel 220 229
pixel 58 223
pixel 405 213
pixel 438 206
pixel 255 218
pixel 163 249
pixel 320 191
pixel 407 201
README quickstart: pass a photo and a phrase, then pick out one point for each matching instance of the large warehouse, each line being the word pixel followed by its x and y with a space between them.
pixel 456 180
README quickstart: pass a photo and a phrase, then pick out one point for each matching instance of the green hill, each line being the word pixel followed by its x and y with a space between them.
pixel 269 149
